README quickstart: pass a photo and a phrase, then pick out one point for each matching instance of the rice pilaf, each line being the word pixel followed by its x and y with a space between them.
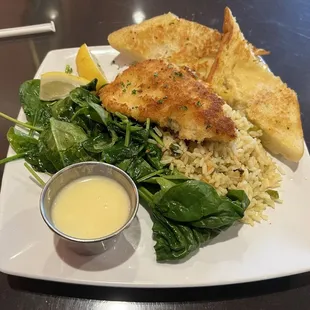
pixel 240 164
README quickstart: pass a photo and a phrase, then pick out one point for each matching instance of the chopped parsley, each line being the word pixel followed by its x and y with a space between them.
pixel 273 194
pixel 156 74
pixel 160 101
pixel 133 91
pixel 175 150
pixel 124 87
pixel 198 104
pixel 184 108
pixel 68 69
pixel 178 73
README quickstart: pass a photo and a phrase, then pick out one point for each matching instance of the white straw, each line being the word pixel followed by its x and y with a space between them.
pixel 26 30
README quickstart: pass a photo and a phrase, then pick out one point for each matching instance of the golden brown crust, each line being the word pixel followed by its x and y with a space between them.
pixel 171 97
pixel 260 51
pixel 247 84
pixel 171 38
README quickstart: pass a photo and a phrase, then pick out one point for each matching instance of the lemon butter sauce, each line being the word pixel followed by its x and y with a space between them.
pixel 91 207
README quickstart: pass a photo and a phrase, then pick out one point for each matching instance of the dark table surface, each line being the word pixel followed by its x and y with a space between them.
pixel 281 26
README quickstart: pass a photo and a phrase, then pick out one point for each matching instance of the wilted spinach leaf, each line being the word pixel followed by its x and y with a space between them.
pixel 22 143
pixel 38 112
pixel 91 105
pixel 154 155
pixel 189 201
pixel 66 134
pixel 83 97
pixel 91 86
pixel 139 168
pixel 98 143
pixel 61 141
pixel 63 109
pixel 188 214
pixel 118 152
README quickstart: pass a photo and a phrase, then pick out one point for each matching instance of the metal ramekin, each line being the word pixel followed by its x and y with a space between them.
pixel 76 171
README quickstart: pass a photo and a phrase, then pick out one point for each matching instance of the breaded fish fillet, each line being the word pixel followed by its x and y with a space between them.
pixel 177 40
pixel 171 97
pixel 247 84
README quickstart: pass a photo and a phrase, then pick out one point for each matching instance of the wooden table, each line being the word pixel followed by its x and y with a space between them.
pixel 281 26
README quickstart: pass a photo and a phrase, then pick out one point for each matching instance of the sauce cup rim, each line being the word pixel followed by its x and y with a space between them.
pixel 80 240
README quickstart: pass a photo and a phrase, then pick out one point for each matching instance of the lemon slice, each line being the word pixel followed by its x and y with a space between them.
pixel 88 67
pixel 57 85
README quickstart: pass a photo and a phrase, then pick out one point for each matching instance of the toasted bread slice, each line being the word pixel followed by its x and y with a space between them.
pixel 171 97
pixel 174 39
pixel 247 84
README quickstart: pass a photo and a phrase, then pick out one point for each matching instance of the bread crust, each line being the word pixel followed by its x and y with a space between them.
pixel 247 84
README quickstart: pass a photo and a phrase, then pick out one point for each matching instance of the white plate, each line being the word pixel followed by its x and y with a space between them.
pixel 275 248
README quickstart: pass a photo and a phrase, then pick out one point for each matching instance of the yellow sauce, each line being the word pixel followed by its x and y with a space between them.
pixel 91 207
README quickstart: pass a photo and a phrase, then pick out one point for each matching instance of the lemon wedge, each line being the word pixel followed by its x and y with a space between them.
pixel 57 85
pixel 88 67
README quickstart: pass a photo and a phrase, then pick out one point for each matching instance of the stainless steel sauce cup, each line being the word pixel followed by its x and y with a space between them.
pixel 70 174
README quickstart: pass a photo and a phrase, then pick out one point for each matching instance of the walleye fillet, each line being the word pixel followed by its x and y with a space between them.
pixel 171 97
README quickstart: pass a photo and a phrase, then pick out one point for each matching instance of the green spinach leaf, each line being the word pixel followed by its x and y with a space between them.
pixel 154 155
pixel 86 99
pixel 61 141
pixel 22 143
pixel 66 134
pixel 83 97
pixel 91 86
pixel 98 143
pixel 139 168
pixel 63 109
pixel 38 112
pixel 116 153
pixel 189 201
pixel 188 214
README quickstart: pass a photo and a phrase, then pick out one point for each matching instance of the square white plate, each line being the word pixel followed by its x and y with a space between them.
pixel 275 248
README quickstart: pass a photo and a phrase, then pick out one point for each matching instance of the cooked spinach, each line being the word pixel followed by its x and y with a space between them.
pixel 98 143
pixel 31 150
pixel 91 86
pixel 38 112
pixel 186 213
pixel 139 168
pixel 154 155
pixel 83 97
pixel 118 152
pixel 63 109
pixel 189 214
pixel 63 144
